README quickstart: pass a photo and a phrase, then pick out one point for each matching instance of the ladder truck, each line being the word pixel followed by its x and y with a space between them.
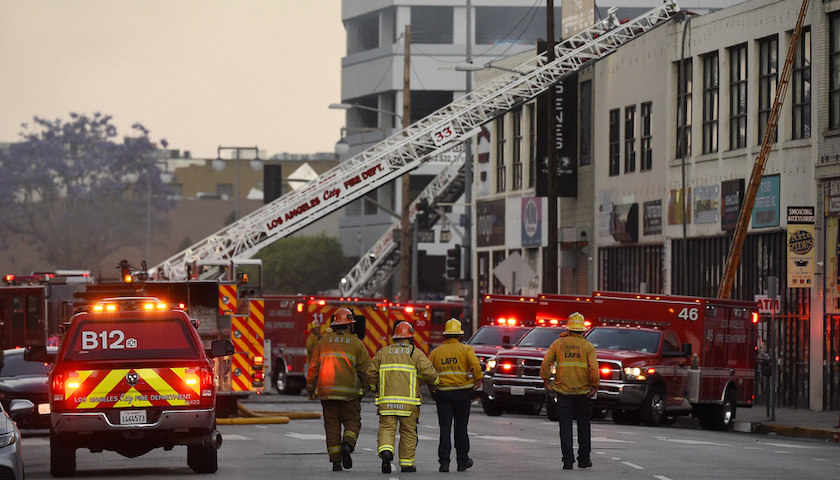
pixel 409 148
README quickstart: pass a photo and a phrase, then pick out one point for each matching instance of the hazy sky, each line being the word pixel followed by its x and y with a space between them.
pixel 198 73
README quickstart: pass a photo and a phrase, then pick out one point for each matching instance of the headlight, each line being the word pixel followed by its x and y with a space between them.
pixel 634 373
pixel 7 439
pixel 491 364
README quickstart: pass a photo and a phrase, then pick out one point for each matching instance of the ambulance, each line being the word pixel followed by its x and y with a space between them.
pixel 664 356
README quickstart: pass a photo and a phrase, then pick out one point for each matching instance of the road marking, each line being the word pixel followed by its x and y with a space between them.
pixel 661 477
pixel 233 436
pixel 306 436
pixel 691 442
pixel 499 438
pixel 633 465
pixel 611 440
pixel 786 445
pixel 38 441
pixel 781 451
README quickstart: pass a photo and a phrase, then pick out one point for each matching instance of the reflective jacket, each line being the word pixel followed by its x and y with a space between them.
pixel 454 362
pixel 576 365
pixel 338 368
pixel 397 372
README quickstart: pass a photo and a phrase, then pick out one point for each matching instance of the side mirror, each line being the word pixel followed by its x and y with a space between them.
pixel 360 327
pixel 20 406
pixel 39 354
pixel 220 348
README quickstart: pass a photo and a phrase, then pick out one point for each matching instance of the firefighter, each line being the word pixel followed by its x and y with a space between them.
pixel 312 339
pixel 575 383
pixel 396 373
pixel 338 377
pixel 460 374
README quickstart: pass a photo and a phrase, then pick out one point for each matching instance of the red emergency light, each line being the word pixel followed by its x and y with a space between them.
pixel 299 307
pixel 755 317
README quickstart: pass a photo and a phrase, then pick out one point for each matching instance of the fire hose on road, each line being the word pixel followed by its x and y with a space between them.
pixel 260 417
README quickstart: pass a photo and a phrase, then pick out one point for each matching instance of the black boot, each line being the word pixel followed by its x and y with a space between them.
pixel 387 456
pixel 336 466
pixel 346 450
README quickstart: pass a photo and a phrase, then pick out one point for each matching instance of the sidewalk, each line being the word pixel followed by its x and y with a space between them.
pixel 789 422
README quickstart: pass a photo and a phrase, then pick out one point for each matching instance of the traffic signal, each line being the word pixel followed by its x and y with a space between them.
pixel 453 263
pixel 125 271
pixel 422 216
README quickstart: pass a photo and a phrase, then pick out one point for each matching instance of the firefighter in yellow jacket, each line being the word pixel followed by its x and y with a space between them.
pixel 338 377
pixel 576 381
pixel 460 374
pixel 397 372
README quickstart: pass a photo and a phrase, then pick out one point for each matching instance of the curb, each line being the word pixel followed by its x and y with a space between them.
pixel 799 432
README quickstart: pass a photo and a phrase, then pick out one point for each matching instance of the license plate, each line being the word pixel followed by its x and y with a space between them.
pixel 131 417
pixel 43 409
pixel 517 390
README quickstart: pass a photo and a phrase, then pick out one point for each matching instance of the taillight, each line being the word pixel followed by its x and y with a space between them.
pixel 205 375
pixel 63 385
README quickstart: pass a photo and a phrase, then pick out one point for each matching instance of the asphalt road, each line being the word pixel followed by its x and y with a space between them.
pixel 511 447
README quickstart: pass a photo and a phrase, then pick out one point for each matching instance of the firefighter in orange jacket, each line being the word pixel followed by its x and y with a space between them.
pixel 397 372
pixel 338 377
pixel 460 374
pixel 576 381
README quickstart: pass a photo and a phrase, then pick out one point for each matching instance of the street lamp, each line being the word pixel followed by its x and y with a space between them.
pixel 348 106
pixel 219 165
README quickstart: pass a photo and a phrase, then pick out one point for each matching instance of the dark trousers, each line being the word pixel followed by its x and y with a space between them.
pixel 453 405
pixel 578 408
pixel 338 413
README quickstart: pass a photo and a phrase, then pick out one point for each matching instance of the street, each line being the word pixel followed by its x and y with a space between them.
pixel 511 446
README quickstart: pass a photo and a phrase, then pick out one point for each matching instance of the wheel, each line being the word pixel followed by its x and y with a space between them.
pixel 62 457
pixel 653 407
pixel 279 378
pixel 551 408
pixel 625 417
pixel 599 413
pixel 491 407
pixel 202 459
pixel 719 417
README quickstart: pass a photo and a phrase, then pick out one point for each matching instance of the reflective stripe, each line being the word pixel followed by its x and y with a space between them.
pixel 406 462
pixel 335 449
pixel 399 413
pixel 348 433
pixel 459 387
pixel 385 448
pixel 348 356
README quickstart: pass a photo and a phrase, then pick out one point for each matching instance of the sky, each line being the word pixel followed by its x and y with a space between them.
pixel 197 73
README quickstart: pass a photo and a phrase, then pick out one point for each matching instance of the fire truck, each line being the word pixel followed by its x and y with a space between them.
pixel 289 317
pixel 663 356
pixel 512 379
pixel 439 313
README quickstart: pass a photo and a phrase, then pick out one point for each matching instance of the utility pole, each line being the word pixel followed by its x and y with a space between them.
pixel 467 256
pixel 550 273
pixel 405 226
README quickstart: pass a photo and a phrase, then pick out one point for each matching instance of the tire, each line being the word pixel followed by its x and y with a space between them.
pixel 279 379
pixel 625 417
pixel 492 408
pixel 719 417
pixel 202 459
pixel 653 407
pixel 62 457
pixel 599 413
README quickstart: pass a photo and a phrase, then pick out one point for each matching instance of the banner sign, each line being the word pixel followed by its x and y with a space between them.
pixel 801 255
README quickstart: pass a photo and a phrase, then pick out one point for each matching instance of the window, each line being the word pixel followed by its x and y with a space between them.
pixel 684 108
pixel 432 25
pixel 532 144
pixel 614 142
pixel 768 79
pixel 647 149
pixel 738 97
pixel 585 122
pixel 501 174
pixel 834 73
pixel 630 139
pixel 801 86
pixel 711 102
pixel 517 150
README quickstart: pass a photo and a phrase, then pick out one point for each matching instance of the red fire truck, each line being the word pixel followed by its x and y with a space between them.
pixel 662 356
pixel 439 313
pixel 287 321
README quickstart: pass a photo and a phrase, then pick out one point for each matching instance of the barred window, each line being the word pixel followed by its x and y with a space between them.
pixel 768 80
pixel 615 148
pixel 517 150
pixel 501 172
pixel 647 149
pixel 801 86
pixel 630 139
pixel 711 102
pixel 684 86
pixel 738 97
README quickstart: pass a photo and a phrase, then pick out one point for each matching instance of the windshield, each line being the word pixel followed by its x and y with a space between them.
pixel 14 365
pixel 541 337
pixel 494 335
pixel 625 339
pixel 163 338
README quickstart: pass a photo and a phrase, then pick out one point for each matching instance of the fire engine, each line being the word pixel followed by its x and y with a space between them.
pixel 662 356
pixel 512 376
pixel 289 317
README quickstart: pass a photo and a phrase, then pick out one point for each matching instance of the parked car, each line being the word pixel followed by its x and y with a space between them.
pixel 11 456
pixel 22 379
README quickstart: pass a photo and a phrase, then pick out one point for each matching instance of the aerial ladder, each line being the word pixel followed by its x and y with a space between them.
pixel 733 259
pixel 409 148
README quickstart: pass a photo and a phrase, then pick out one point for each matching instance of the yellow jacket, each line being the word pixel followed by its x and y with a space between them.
pixel 397 372
pixel 454 362
pixel 576 365
pixel 311 341
pixel 338 368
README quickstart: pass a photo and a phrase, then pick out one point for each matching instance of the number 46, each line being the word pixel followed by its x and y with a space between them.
pixel 691 314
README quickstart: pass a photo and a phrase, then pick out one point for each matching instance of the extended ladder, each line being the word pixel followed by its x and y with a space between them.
pixel 408 149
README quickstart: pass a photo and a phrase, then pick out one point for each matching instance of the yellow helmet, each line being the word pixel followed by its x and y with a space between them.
pixel 453 327
pixel 576 323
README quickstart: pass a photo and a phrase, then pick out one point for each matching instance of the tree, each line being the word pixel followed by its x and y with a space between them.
pixel 303 264
pixel 76 193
